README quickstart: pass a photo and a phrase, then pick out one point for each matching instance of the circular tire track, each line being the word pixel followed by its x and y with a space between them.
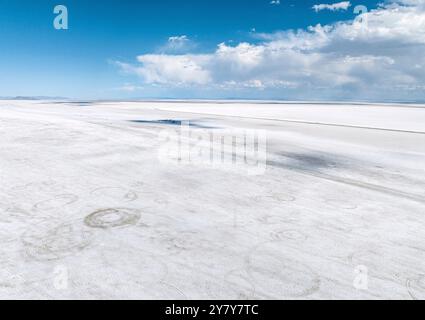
pixel 416 287
pixel 58 201
pixel 276 220
pixel 124 264
pixel 279 197
pixel 48 185
pixel 46 242
pixel 112 218
pixel 235 285
pixel 288 235
pixel 170 292
pixel 277 274
pixel 14 214
pixel 115 193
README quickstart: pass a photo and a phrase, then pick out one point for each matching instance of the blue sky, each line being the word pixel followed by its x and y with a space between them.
pixel 97 56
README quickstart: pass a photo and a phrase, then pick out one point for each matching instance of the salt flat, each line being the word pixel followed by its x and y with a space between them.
pixel 91 208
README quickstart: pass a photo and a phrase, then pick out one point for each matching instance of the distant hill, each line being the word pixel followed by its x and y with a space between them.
pixel 33 98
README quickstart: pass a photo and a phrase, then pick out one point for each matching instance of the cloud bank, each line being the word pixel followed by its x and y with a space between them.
pixel 378 56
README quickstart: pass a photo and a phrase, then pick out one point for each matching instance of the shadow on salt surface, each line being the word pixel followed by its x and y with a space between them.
pixel 294 160
pixel 72 103
pixel 171 122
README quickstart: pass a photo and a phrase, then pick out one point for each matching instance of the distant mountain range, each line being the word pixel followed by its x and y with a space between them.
pixel 33 98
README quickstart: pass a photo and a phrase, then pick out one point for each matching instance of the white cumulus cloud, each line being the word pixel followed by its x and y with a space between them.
pixel 369 58
pixel 177 44
pixel 344 5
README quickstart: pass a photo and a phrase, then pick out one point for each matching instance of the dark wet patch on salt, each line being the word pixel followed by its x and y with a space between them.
pixel 173 122
pixel 305 161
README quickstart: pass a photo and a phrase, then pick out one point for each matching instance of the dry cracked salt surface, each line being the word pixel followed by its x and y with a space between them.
pixel 91 208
